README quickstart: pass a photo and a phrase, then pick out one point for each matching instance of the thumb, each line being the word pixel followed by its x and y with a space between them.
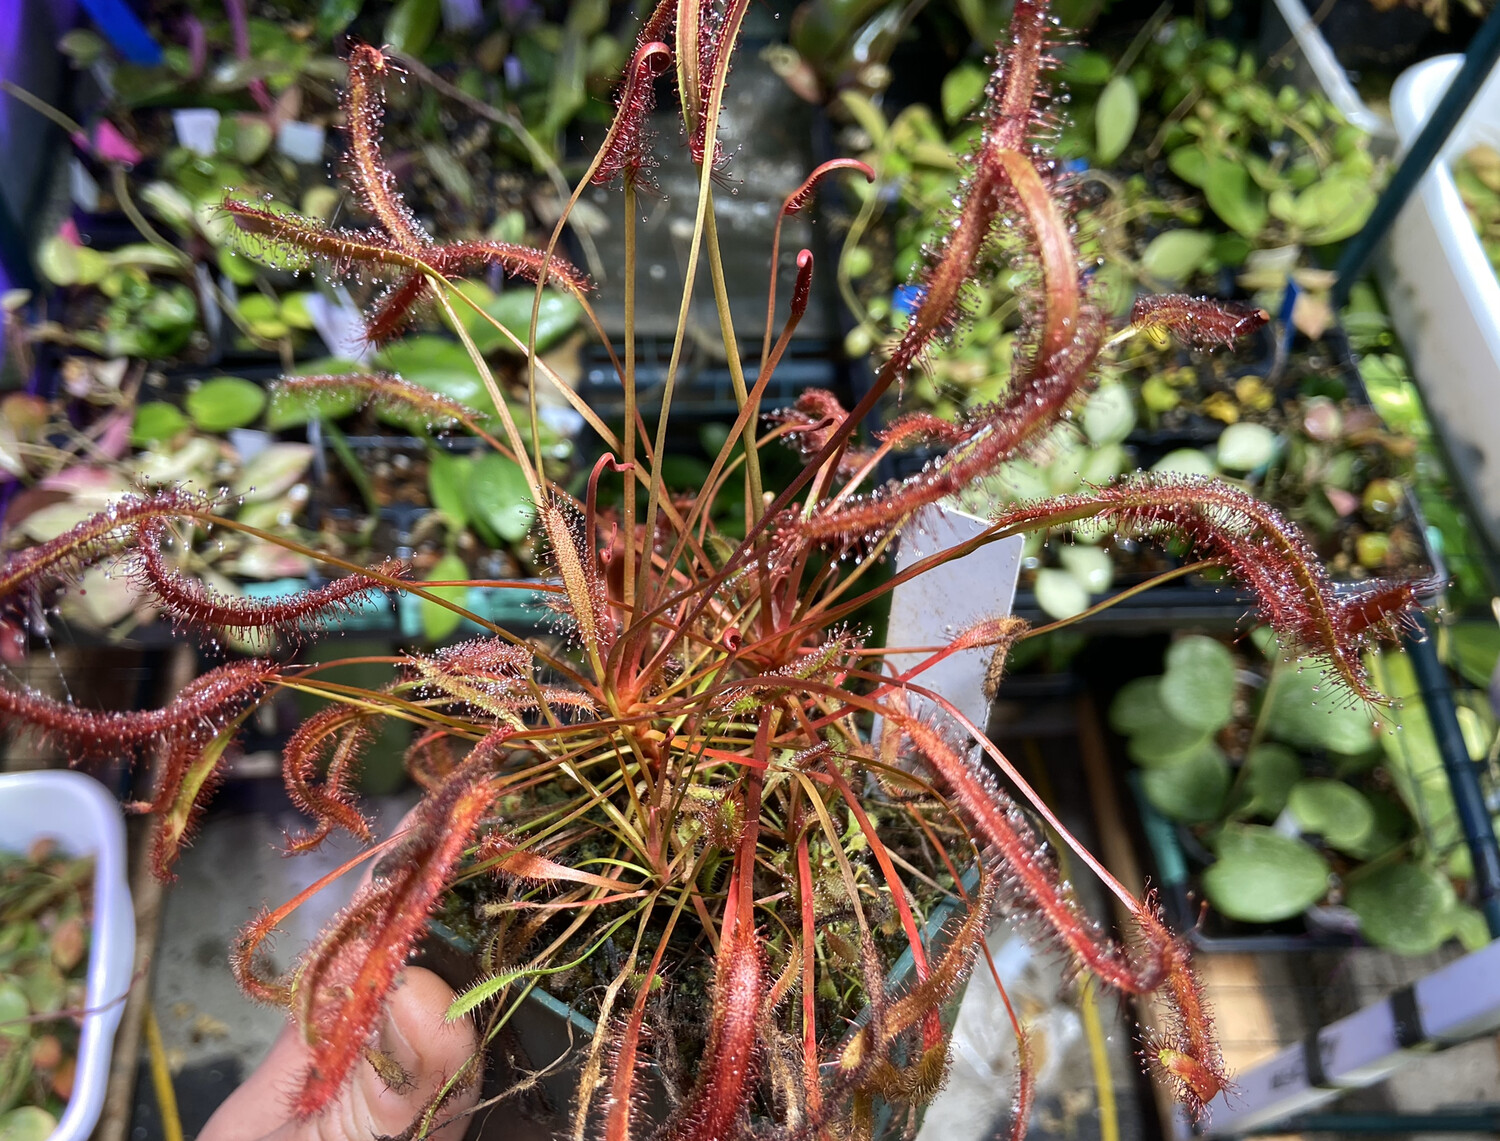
pixel 428 1051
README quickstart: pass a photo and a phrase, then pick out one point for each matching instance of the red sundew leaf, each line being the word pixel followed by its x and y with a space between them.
pixel 1197 321
pixel 379 388
pixel 195 605
pixel 626 152
pixel 98 537
pixel 724 1084
pixel 189 779
pixel 200 709
pixel 330 805
pixel 997 820
pixel 920 428
pixel 291 241
pixel 344 980
pixel 364 109
pixel 1260 549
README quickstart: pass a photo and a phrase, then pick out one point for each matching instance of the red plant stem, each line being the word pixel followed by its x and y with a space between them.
pixel 811 1081
pixel 932 1024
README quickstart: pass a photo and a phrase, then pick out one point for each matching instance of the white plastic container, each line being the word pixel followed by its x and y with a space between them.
pixel 77 812
pixel 1315 64
pixel 1441 292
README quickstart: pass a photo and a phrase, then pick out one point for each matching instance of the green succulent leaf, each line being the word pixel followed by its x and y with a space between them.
pixel 1262 876
pixel 499 495
pixel 225 402
pixel 1198 687
pixel 1176 255
pixel 447 485
pixel 1333 810
pixel 1270 772
pixel 1193 790
pixel 1234 197
pixel 1137 706
pixel 1308 711
pixel 438 622
pixel 1115 117
pixel 1405 907
pixel 156 421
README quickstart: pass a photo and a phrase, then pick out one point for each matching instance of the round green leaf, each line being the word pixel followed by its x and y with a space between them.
pixel 1093 568
pixel 1115 117
pixel 225 402
pixel 1176 255
pixel 1137 706
pixel 1198 687
pixel 1262 876
pixel 499 495
pixel 1270 772
pixel 27 1123
pixel 447 485
pixel 438 621
pixel 1109 415
pixel 1185 461
pixel 1404 908
pixel 1193 790
pixel 1332 810
pixel 963 88
pixel 155 422
pixel 1165 743
pixel 63 263
pixel 1189 164
pixel 1059 594
pixel 558 316
pixel 1245 446
pixel 1234 197
pixel 1310 711
pixel 411 25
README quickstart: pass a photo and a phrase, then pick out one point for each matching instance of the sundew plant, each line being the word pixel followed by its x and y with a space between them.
pixel 689 779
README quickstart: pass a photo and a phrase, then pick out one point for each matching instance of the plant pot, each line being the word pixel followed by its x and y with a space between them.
pixel 1286 25
pixel 1442 294
pixel 927 610
pixel 77 812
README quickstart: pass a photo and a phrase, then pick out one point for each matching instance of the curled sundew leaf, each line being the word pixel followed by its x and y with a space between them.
pixel 1199 322
pixel 1261 549
pixel 343 981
